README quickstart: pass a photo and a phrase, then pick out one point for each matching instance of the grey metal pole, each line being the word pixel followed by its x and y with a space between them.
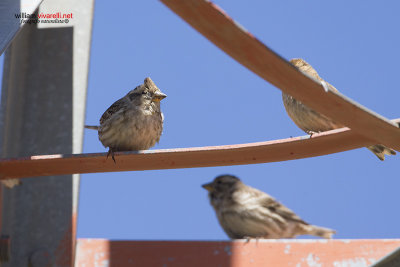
pixel 10 24
pixel 42 112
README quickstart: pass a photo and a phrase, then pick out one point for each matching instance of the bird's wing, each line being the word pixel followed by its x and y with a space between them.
pixel 111 110
pixel 276 207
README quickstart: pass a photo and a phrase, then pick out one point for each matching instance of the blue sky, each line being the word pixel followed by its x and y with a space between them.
pixel 213 100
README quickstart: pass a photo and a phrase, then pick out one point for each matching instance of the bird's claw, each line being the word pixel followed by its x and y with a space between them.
pixel 311 133
pixel 111 152
pixel 248 239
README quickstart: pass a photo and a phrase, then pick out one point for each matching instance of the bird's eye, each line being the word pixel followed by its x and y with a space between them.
pixel 219 182
pixel 146 93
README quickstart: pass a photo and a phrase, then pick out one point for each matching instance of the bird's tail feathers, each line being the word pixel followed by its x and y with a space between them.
pixel 380 151
pixel 321 232
pixel 92 127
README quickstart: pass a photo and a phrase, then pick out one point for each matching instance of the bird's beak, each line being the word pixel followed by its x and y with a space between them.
pixel 158 96
pixel 208 187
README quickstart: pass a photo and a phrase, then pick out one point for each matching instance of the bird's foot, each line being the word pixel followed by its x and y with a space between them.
pixel 111 152
pixel 248 239
pixel 311 133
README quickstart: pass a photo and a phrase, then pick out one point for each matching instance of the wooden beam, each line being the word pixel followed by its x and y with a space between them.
pixel 300 252
pixel 232 38
pixel 261 152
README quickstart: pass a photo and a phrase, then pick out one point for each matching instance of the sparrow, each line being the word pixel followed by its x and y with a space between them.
pixel 245 212
pixel 311 121
pixel 134 122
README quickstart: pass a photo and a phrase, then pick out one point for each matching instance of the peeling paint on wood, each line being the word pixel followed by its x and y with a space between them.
pixel 291 253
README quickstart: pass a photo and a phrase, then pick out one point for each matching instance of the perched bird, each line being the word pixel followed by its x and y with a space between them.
pixel 134 122
pixel 246 212
pixel 311 121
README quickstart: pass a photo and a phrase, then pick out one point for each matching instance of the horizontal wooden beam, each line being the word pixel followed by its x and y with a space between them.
pixel 300 252
pixel 261 152
pixel 228 35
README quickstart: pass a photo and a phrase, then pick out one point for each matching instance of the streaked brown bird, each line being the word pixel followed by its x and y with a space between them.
pixel 134 122
pixel 311 121
pixel 245 212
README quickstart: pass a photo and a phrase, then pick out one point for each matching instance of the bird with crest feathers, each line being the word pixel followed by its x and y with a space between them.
pixel 134 122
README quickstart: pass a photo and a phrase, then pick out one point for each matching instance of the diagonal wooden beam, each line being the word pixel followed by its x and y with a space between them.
pixel 232 38
pixel 261 152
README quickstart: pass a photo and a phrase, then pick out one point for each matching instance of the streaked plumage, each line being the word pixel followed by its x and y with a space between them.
pixel 311 121
pixel 246 212
pixel 134 122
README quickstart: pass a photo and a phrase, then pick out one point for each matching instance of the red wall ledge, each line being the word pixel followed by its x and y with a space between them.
pixel 297 253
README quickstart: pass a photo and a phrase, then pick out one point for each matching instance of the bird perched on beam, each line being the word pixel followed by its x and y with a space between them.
pixel 245 212
pixel 311 121
pixel 134 122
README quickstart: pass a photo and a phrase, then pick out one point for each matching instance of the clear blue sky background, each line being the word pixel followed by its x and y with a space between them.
pixel 213 100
